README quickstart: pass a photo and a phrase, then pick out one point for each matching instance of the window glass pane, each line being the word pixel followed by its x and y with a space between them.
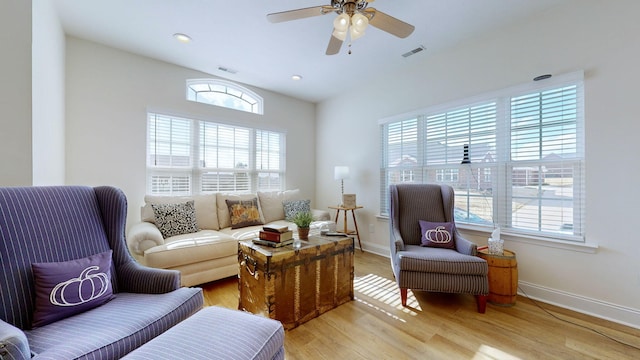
pixel 542 198
pixel 544 124
pixel 169 142
pixel 224 94
pixel 448 133
pixel 269 181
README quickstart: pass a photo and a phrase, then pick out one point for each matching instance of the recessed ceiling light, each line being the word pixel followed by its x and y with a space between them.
pixel 183 38
pixel 296 77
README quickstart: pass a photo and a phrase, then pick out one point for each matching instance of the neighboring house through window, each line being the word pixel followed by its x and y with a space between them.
pixel 525 147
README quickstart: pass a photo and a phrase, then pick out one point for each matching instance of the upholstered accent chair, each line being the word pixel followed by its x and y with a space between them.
pixel 436 269
pixel 59 225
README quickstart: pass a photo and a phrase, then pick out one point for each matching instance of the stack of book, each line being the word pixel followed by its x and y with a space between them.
pixel 274 236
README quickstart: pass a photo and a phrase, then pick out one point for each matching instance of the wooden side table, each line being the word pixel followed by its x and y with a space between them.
pixel 503 277
pixel 355 223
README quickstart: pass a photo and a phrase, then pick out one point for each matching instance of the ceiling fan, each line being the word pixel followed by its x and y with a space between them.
pixel 353 18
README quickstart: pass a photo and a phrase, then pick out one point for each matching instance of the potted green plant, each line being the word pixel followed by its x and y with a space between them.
pixel 303 220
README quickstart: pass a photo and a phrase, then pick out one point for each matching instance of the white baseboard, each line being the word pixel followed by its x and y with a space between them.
pixel 375 249
pixel 582 304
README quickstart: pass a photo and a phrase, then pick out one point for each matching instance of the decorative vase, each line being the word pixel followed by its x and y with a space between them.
pixel 303 233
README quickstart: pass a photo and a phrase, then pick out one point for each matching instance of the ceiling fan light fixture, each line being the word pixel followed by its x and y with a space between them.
pixel 359 22
pixel 341 23
pixel 355 34
pixel 340 35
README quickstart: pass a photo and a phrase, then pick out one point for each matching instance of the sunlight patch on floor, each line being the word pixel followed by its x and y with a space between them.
pixel 386 291
pixel 489 352
pixel 395 317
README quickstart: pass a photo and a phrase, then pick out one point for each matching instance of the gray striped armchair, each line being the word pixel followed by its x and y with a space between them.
pixel 54 225
pixel 440 267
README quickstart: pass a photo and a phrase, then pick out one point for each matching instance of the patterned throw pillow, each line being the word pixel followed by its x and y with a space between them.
pixel 71 287
pixel 243 213
pixel 175 219
pixel 291 208
pixel 437 234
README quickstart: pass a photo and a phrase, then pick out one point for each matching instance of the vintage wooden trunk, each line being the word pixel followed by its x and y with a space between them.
pixel 295 286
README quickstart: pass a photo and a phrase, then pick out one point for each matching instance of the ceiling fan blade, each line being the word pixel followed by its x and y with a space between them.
pixel 299 13
pixel 334 46
pixel 388 23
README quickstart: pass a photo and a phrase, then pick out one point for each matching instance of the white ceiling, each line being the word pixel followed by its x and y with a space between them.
pixel 236 34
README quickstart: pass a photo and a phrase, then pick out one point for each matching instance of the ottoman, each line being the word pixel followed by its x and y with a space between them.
pixel 217 333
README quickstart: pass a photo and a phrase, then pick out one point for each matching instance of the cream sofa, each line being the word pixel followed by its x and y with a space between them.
pixel 211 252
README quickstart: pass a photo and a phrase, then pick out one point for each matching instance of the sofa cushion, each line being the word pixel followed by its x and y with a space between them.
pixel 205 205
pixel 67 288
pixel 192 248
pixel 175 219
pixel 271 203
pixel 243 213
pixel 291 208
pixel 224 220
pixel 439 260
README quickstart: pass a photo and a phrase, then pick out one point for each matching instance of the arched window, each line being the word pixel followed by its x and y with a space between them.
pixel 225 94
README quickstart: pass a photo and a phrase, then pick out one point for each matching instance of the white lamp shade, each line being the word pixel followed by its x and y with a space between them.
pixel 359 22
pixel 341 172
pixel 340 35
pixel 341 22
pixel 355 34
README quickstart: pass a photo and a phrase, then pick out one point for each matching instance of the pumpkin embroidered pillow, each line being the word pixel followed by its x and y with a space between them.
pixel 67 288
pixel 437 234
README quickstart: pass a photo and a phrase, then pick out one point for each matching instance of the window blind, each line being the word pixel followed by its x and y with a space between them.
pixel 169 150
pixel 269 161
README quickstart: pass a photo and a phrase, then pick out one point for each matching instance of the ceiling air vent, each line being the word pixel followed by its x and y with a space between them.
pixel 226 69
pixel 414 51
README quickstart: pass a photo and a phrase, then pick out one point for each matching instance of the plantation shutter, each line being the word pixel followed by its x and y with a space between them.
pixel 269 160
pixel 224 158
pixel 401 161
pixel 460 151
pixel 169 155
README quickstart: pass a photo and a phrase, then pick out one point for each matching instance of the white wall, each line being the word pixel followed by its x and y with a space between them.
pixel 48 124
pixel 595 36
pixel 15 93
pixel 108 95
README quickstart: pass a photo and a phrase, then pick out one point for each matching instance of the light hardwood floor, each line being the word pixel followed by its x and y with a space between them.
pixel 439 326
